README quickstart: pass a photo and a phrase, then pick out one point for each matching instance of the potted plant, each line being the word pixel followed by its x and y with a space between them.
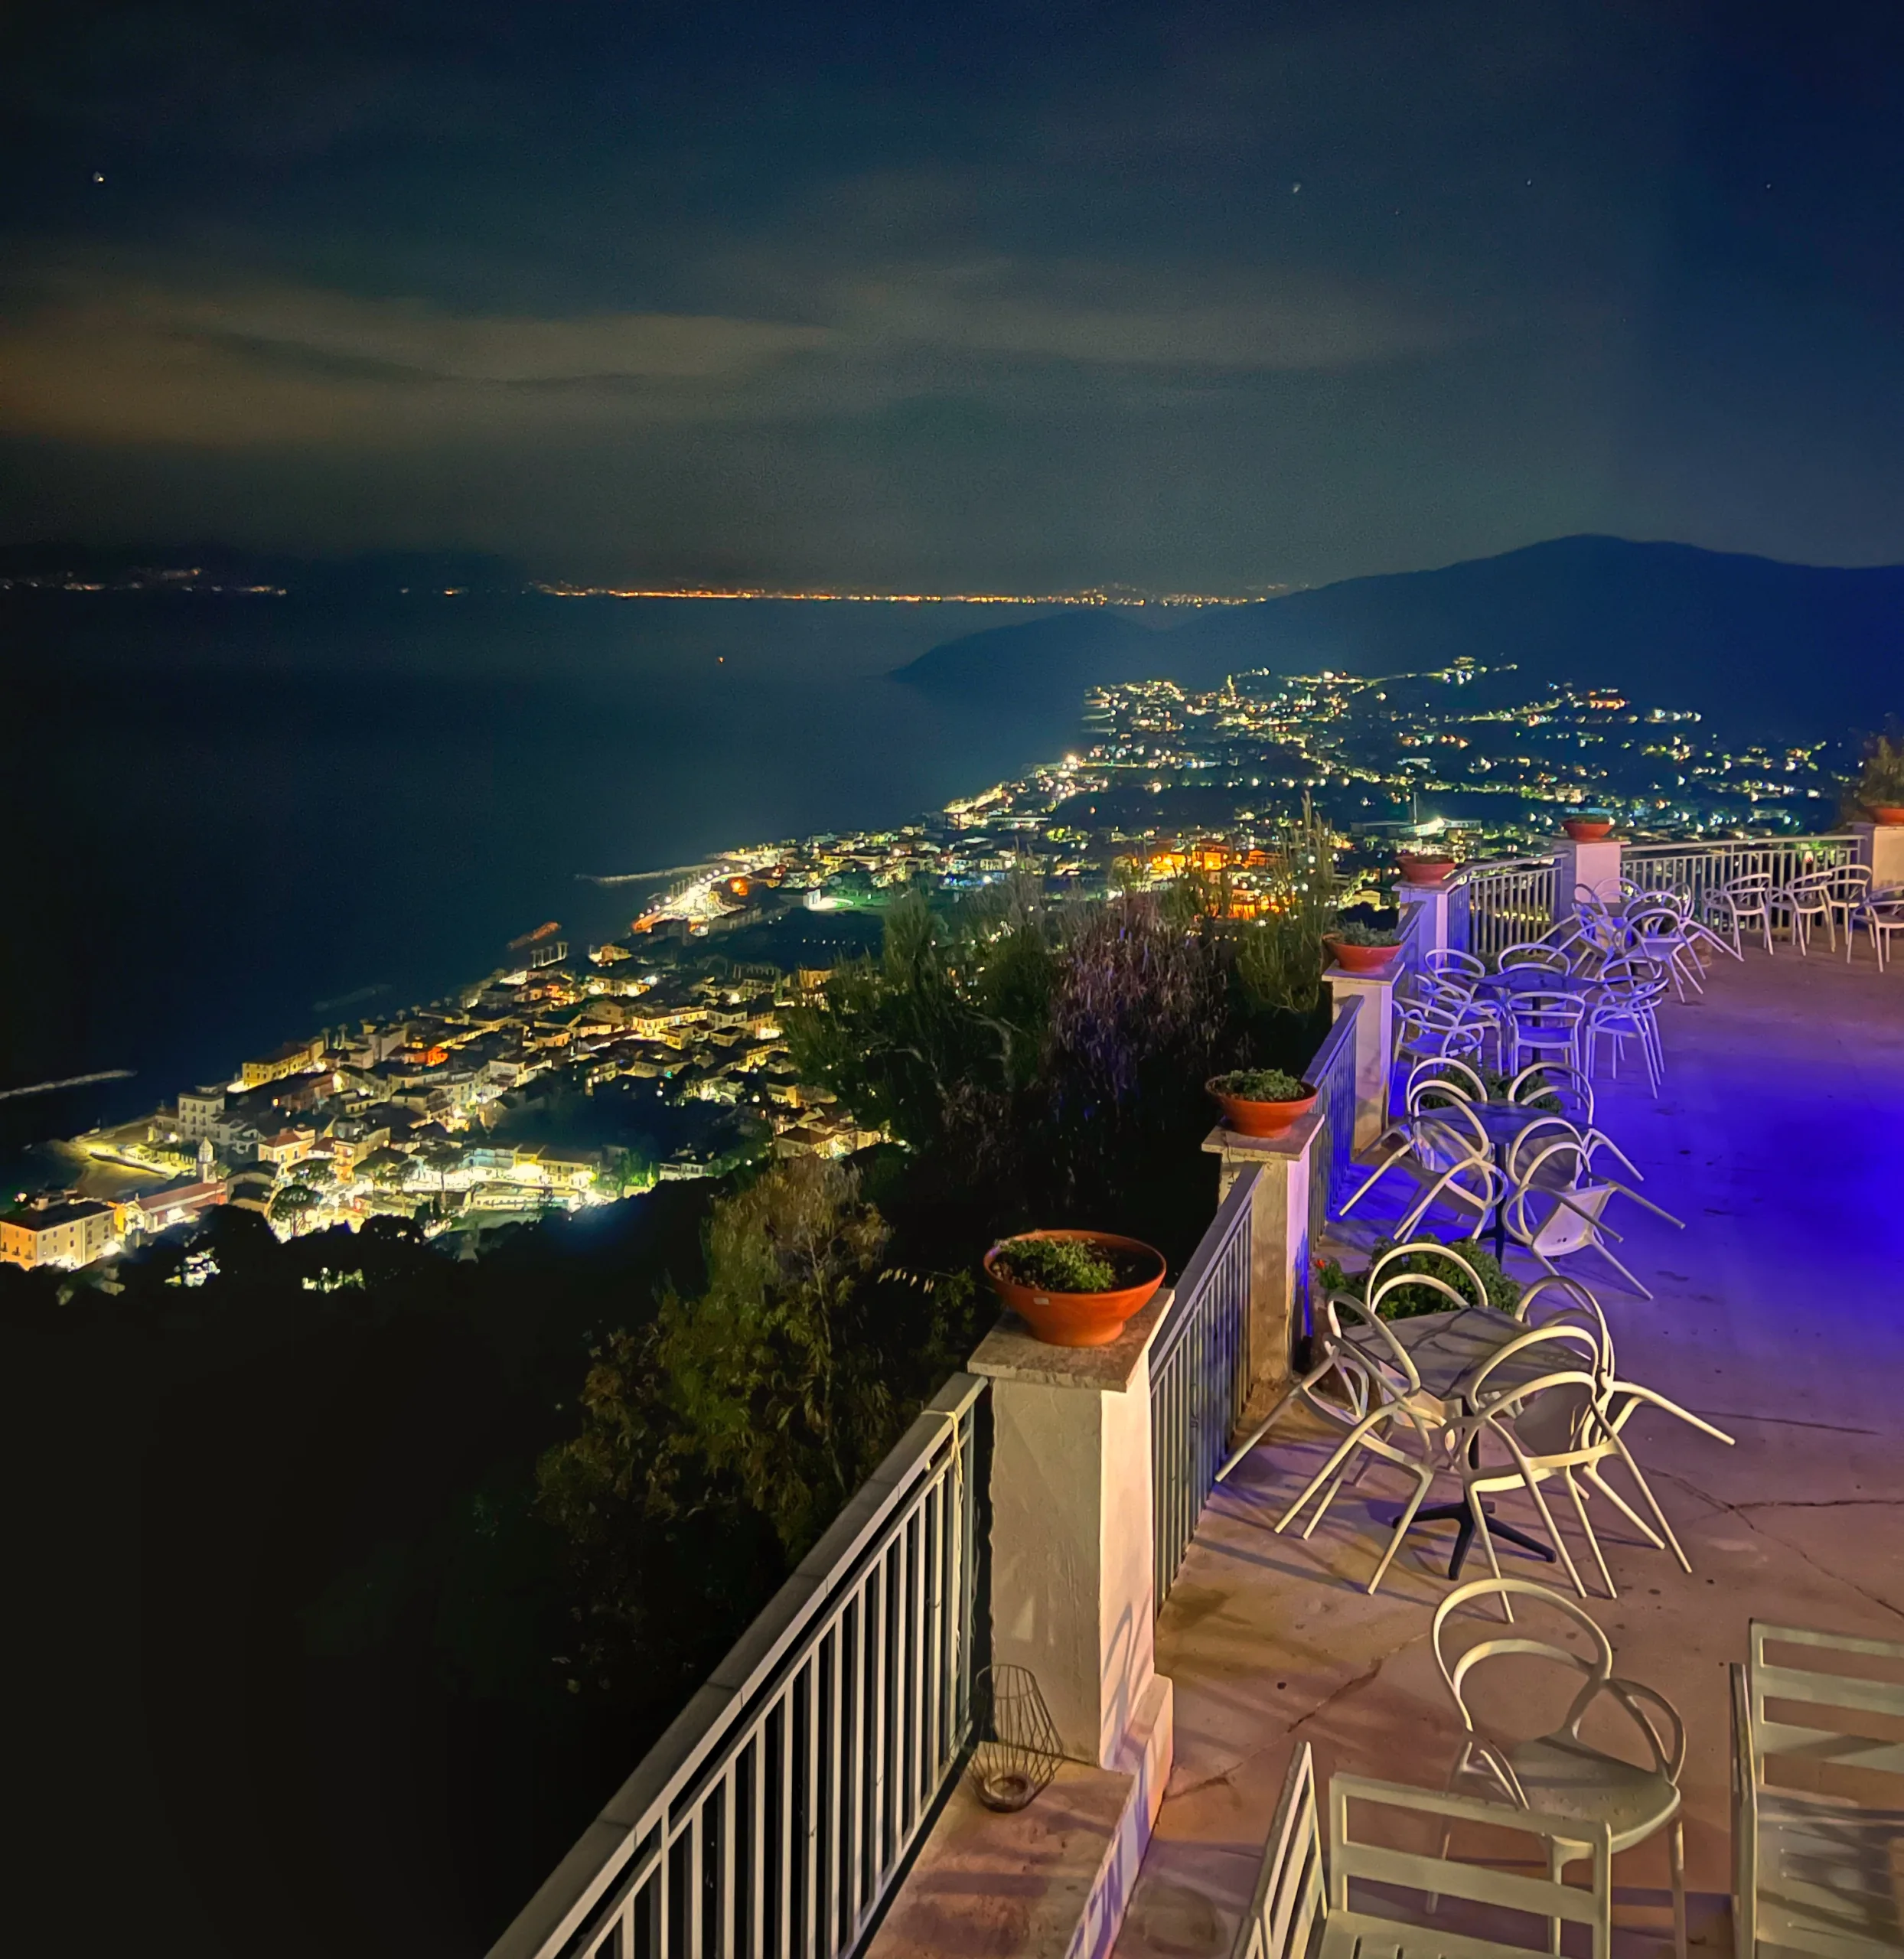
pixel 1075 1289
pixel 1425 870
pixel 1358 948
pixel 1590 827
pixel 1409 1301
pixel 1261 1101
pixel 1878 785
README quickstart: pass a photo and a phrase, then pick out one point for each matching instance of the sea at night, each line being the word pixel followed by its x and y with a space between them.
pixel 252 816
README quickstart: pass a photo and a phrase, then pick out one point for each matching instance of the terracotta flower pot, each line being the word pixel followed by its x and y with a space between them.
pixel 1425 870
pixel 1360 958
pixel 1078 1319
pixel 1263 1119
pixel 1886 813
pixel 1587 829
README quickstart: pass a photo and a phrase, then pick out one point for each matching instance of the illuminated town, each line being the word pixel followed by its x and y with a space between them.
pixel 504 1101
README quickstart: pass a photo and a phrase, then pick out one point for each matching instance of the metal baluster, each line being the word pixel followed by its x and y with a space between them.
pixel 810 1819
pixel 756 1843
pixel 845 1913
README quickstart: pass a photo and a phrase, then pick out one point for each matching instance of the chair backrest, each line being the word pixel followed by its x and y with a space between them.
pixel 1450 960
pixel 1828 1738
pixel 1290 1906
pixel 1555 1299
pixel 1384 1924
pixel 1549 958
pixel 1428 1281
pixel 1597 1663
pixel 1533 1141
pixel 1850 882
pixel 1451 1261
pixel 1555 1013
pixel 1448 1073
pixel 1568 1355
pixel 1559 1080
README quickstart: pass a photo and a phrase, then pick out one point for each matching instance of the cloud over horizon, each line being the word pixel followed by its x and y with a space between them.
pixel 1188 299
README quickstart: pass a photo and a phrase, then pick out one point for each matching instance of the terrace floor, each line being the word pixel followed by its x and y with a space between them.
pixel 1778 1136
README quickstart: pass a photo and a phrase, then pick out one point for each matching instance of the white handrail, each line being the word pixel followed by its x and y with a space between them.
pixel 820 1743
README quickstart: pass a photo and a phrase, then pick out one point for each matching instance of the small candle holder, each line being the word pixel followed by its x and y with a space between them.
pixel 1017 1752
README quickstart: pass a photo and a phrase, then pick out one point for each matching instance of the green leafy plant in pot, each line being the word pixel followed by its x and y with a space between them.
pixel 1261 1102
pixel 1878 788
pixel 1357 947
pixel 1075 1289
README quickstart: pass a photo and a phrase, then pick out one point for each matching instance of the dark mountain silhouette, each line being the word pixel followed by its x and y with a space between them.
pixel 1754 645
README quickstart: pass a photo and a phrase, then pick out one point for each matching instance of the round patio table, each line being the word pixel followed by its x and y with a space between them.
pixel 1535 979
pixel 1445 1349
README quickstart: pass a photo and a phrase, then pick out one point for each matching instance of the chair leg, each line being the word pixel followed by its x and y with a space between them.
pixel 1591 1471
pixel 1423 1479
pixel 1676 1845
pixel 1586 1531
pixel 1652 1503
pixel 1337 1457
pixel 1556 1874
pixel 1600 1246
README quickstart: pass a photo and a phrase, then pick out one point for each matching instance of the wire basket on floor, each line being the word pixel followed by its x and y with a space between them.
pixel 1018 1751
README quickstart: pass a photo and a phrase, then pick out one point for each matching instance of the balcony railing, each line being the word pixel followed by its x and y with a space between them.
pixel 1504 902
pixel 1331 1073
pixel 1697 868
pixel 1199 1378
pixel 778 1810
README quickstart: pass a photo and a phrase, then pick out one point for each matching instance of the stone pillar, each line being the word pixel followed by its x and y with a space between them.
pixel 1072 1595
pixel 1881 846
pixel 1279 1212
pixel 1595 866
pixel 1431 901
pixel 1375 1042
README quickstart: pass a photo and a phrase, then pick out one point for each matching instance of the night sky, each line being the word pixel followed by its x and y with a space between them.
pixel 1020 297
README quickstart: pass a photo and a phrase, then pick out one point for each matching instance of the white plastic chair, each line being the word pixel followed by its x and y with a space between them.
pixel 1557 1207
pixel 1739 904
pixel 1848 886
pixel 1881 914
pixel 1558 1776
pixel 1805 903
pixel 1567 1424
pixel 1444 1151
pixel 1623 1009
pixel 1659 932
pixel 1815 1867
pixel 1300 1907
pixel 1425 1028
pixel 1340 1388
pixel 1401 1424
pixel 1545 1026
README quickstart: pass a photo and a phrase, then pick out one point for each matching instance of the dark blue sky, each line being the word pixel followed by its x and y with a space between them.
pixel 966 297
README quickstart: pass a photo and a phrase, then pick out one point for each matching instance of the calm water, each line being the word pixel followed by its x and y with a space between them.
pixel 225 818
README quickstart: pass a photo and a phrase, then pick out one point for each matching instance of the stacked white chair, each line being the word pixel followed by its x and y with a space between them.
pixel 1557 1200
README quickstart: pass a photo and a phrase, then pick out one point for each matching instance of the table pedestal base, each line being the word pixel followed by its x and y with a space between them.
pixel 1462 1516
